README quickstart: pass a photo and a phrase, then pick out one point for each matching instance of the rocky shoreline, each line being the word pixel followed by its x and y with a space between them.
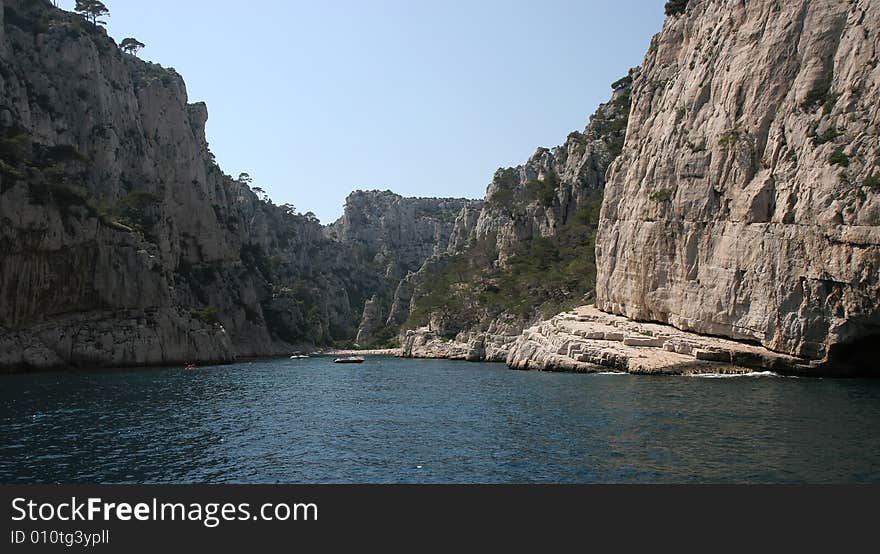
pixel 584 340
pixel 471 347
pixel 587 340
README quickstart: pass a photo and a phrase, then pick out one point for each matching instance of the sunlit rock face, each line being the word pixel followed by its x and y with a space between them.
pixel 746 202
pixel 397 233
pixel 395 236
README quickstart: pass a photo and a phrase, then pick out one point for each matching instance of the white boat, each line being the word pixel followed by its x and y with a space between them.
pixel 349 360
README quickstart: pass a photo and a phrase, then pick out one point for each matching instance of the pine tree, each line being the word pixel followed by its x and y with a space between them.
pixel 92 10
pixel 131 45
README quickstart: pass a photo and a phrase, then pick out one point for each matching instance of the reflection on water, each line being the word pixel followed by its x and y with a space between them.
pixel 389 420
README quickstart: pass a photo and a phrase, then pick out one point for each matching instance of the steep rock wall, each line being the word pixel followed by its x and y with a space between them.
pixel 395 236
pixel 745 203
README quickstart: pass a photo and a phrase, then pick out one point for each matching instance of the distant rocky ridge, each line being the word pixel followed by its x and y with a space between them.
pixel 397 235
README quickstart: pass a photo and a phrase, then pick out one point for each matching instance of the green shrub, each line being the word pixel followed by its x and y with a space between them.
pixel 623 82
pixel 544 190
pixel 14 145
pixel 675 7
pixel 829 135
pixel 61 195
pixel 254 257
pixel 679 114
pixel 139 208
pixel 579 141
pixel 26 22
pixel 503 198
pixel 662 195
pixel 206 315
pixel 872 181
pixel 71 200
pixel 729 138
pixel 839 158
pixel 613 129
pixel 830 101
pixel 545 275
pixel 66 196
pixel 506 178
pixel 61 153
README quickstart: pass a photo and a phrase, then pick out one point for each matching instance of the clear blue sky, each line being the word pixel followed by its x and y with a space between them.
pixel 427 98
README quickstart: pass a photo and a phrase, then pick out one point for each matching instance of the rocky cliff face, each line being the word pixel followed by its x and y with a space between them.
pixel 746 202
pixel 541 196
pixel 396 236
pixel 397 233
pixel 121 240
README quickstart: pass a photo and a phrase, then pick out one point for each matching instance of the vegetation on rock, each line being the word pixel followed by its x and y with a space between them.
pixel 662 195
pixel 544 276
pixel 534 255
pixel 92 10
pixel 131 46
pixel 675 7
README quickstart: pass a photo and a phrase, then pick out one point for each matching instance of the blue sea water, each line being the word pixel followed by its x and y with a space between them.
pixel 417 421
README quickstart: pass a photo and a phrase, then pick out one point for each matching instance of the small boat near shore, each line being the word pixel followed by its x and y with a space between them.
pixel 349 360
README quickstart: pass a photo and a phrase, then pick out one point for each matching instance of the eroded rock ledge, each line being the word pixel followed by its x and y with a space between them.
pixel 492 346
pixel 588 340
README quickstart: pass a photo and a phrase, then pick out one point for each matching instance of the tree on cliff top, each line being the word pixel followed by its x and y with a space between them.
pixel 92 10
pixel 131 45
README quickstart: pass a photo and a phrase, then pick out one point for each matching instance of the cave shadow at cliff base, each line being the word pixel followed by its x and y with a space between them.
pixel 859 358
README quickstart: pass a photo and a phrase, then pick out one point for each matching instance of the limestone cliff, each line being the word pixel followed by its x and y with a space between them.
pixel 394 236
pixel 543 195
pixel 746 201
pixel 397 233
pixel 121 240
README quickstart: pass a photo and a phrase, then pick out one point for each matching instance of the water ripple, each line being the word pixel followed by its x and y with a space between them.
pixel 403 421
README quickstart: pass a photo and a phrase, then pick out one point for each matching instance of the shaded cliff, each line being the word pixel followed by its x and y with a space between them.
pixel 122 242
pixel 746 201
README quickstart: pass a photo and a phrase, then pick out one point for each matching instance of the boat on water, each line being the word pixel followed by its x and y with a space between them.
pixel 349 360
pixel 299 357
